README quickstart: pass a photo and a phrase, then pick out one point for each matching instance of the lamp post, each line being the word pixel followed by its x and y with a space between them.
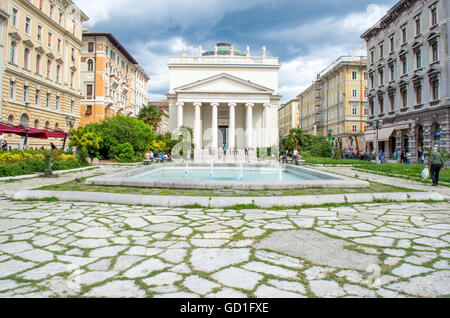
pixel 377 125
pixel 70 122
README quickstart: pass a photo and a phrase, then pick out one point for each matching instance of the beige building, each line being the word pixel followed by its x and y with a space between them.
pixel 113 82
pixel 336 103
pixel 41 76
pixel 288 117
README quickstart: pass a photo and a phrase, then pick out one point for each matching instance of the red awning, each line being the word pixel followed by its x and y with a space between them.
pixel 56 134
pixel 8 129
pixel 31 132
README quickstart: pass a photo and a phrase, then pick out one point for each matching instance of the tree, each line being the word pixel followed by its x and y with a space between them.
pixel 151 115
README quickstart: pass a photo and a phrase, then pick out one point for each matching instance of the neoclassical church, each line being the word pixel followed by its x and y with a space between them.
pixel 228 97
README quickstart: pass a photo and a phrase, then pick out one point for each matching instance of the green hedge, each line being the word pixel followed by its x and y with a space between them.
pixel 330 161
pixel 34 166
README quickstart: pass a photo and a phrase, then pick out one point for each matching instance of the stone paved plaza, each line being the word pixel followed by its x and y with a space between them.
pixel 56 249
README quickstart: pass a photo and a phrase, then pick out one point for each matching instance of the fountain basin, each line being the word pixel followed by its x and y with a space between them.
pixel 226 176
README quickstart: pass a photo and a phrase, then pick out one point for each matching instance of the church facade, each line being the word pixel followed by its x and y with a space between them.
pixel 227 97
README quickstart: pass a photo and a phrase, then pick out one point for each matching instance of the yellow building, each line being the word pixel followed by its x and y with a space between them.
pixel 41 57
pixel 336 103
pixel 113 82
pixel 288 117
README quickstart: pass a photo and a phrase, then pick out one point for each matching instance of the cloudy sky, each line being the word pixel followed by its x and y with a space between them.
pixel 306 35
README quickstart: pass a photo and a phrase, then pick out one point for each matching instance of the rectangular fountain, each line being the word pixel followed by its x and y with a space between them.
pixel 227 176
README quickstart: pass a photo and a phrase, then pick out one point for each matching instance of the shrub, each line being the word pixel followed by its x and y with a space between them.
pixel 317 146
pixel 21 168
pixel 122 152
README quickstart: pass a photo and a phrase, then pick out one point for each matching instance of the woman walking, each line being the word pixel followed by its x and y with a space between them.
pixel 436 164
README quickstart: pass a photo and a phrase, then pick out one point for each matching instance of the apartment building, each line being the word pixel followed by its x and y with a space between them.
pixel 113 82
pixel 288 117
pixel 409 77
pixel 335 105
pixel 40 72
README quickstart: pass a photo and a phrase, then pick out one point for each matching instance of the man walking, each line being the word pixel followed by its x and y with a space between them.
pixel 436 164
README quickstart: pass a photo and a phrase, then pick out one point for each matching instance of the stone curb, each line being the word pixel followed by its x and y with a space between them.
pixel 224 202
pixel 40 174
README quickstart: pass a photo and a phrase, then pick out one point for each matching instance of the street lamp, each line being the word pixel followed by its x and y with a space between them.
pixel 377 125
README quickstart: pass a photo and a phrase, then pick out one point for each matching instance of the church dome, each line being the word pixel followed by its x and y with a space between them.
pixel 224 49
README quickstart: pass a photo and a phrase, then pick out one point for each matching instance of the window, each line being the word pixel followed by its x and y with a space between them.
pixel 372 81
pixel 434 16
pixel 418 59
pixel 365 92
pixel 435 51
pixel 47 100
pixel 59 46
pixel 392 101
pixel 355 128
pixel 381 51
pixel 354 75
pixel 89 90
pixel 381 72
pixel 71 79
pixel 24 120
pixel 90 64
pixel 365 110
pixel 404 98
pixel 89 110
pixel 58 73
pixel 27 25
pixel 405 65
pixel 47 125
pixel 391 40
pixel 435 90
pixel 25 94
pixel 354 92
pixel 12 89
pixel 50 36
pixel 41 4
pixel 74 27
pixel 418 91
pixel 72 107
pixel 60 18
pixel 37 98
pixel 354 110
pixel 73 54
pixel 12 53
pixel 51 11
pixel 57 103
pixel 39 33
pixel 14 17
pixel 26 58
pixel 381 102
pixel 10 119
pixel 36 124
pixel 49 69
pixel 91 47
pixel 418 29
pixel 365 76
pixel 113 55
pixel 38 64
pixel 404 34
pixel 392 72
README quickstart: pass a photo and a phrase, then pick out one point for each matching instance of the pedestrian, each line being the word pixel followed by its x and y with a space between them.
pixel 295 157
pixel 420 156
pixel 436 165
pixel 5 145
pixel 246 151
pixel 403 156
pixel 408 157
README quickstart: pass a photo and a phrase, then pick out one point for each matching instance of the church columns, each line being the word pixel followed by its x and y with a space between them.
pixel 249 125
pixel 214 126
pixel 266 130
pixel 198 127
pixel 232 127
pixel 180 114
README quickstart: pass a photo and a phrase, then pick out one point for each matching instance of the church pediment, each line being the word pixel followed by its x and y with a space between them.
pixel 224 83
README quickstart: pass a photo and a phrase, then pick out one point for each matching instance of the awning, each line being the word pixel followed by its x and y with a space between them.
pixel 369 137
pixel 56 134
pixel 8 129
pixel 385 133
pixel 31 132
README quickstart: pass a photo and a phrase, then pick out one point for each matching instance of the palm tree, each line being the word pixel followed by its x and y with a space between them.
pixel 151 115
